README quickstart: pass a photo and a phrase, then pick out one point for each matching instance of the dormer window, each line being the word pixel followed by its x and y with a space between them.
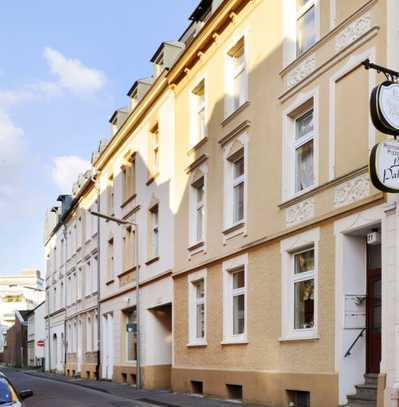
pixel 159 64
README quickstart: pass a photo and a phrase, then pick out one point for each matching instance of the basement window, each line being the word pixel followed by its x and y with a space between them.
pixel 197 387
pixel 298 398
pixel 234 392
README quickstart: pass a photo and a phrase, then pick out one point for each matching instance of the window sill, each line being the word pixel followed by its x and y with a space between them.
pixel 300 336
pixel 109 282
pixel 152 178
pixel 236 112
pixel 153 260
pixel 197 344
pixel 128 200
pixel 131 269
pixel 197 145
pixel 240 340
pixel 234 228
pixel 195 246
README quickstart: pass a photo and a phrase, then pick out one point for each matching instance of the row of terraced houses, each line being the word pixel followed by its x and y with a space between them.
pixel 239 170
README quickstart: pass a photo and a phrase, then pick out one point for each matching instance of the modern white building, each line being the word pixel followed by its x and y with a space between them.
pixel 22 291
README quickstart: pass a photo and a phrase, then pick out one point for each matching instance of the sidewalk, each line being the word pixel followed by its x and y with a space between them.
pixel 152 397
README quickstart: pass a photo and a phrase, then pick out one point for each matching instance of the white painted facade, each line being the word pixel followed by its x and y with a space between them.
pixel 155 271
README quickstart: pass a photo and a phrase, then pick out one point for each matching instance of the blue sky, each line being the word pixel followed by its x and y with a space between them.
pixel 65 67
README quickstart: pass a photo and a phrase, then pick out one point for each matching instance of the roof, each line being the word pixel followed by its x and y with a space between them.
pixel 147 81
pixel 160 48
pixel 200 10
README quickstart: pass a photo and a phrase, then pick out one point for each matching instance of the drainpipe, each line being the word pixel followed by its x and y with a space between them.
pixel 48 329
pixel 95 179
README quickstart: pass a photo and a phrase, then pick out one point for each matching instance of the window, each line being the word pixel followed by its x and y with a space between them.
pixel 299 276
pixel 110 259
pixel 89 335
pixel 155 149
pixel 94 274
pixel 110 196
pixel 88 279
pixel 237 77
pixel 304 157
pixel 235 299
pixel 300 171
pixel 198 189
pixel 128 175
pixel 238 188
pixel 305 25
pixel 131 345
pixel 94 220
pixel 197 308
pixel 303 283
pixel 154 213
pixel 95 333
pixel 62 295
pixel 198 113
pixel 129 249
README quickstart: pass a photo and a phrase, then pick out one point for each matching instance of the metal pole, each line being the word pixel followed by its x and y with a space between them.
pixel 138 330
pixel 65 298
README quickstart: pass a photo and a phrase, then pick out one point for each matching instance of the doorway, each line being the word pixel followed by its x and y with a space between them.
pixel 373 309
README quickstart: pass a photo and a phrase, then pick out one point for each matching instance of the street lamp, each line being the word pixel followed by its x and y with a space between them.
pixel 136 249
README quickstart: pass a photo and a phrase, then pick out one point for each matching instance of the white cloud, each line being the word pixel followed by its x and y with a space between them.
pixel 12 158
pixel 66 170
pixel 11 142
pixel 72 74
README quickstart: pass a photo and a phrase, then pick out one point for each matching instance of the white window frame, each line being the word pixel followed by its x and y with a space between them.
pixel 89 334
pixel 229 183
pixel 228 269
pixel 155 135
pixel 154 213
pixel 194 205
pixel 195 109
pixel 288 248
pixel 302 104
pixel 88 288
pixel 291 17
pixel 232 72
pixel 127 337
pixel 192 279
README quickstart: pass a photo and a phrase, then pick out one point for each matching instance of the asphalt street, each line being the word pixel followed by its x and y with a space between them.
pixel 49 393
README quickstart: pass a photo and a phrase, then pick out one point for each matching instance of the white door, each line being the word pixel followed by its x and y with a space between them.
pixel 108 345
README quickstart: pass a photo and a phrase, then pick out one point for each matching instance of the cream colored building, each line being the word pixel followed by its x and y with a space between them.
pixel 273 279
pixel 267 260
pixel 135 172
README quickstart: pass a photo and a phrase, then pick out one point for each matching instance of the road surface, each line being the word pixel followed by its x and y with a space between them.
pixel 50 393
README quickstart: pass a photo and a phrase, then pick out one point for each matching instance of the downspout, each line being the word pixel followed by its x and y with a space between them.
pixel 95 179
pixel 48 329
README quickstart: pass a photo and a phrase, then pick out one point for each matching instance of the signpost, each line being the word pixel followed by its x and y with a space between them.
pixel 40 343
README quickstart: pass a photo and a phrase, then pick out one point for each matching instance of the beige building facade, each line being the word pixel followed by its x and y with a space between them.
pixel 278 296
pixel 265 258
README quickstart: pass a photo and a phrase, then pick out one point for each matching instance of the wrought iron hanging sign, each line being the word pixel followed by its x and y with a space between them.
pixel 384 110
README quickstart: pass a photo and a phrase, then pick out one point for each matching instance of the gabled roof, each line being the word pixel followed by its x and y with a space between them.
pixel 160 48
pixel 146 81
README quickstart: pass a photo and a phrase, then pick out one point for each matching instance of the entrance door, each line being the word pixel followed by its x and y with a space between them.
pixel 373 321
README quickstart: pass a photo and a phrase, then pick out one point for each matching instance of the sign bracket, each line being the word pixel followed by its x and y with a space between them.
pixel 391 75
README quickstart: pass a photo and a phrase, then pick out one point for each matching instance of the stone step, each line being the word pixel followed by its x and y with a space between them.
pixel 366 391
pixel 371 378
pixel 360 403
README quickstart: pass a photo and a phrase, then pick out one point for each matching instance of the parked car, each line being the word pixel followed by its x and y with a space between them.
pixel 9 396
